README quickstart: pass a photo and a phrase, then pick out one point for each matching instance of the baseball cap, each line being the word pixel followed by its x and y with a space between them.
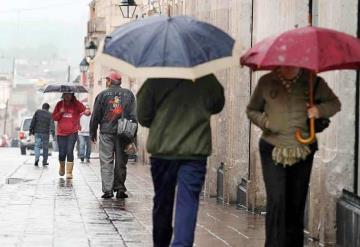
pixel 114 76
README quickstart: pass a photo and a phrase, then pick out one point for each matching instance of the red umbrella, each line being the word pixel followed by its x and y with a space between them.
pixel 313 48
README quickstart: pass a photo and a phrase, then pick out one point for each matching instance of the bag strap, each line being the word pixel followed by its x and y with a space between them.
pixel 315 87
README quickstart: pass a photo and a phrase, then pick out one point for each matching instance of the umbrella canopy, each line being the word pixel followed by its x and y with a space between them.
pixel 169 47
pixel 66 87
pixel 313 48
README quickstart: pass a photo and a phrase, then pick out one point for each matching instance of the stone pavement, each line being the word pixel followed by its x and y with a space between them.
pixel 42 209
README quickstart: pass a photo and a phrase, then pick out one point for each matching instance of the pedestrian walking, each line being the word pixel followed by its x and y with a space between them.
pixel 109 106
pixel 279 106
pixel 84 135
pixel 177 113
pixel 41 127
pixel 67 114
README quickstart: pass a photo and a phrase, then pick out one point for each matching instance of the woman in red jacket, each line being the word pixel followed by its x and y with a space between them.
pixel 67 114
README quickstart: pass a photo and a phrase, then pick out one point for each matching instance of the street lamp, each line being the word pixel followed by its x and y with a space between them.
pixel 91 49
pixel 127 8
pixel 84 65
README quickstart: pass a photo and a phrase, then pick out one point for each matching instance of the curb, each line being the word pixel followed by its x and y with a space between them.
pixel 8 177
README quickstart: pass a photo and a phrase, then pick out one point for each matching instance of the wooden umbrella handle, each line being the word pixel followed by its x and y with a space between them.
pixel 311 138
pixel 298 134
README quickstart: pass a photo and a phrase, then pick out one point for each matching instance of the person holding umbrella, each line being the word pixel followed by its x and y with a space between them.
pixel 279 106
pixel 282 104
pixel 177 113
pixel 67 113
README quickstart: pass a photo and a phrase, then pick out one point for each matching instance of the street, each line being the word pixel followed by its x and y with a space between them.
pixel 39 208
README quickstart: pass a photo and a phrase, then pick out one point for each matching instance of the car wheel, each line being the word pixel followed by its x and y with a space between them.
pixel 23 150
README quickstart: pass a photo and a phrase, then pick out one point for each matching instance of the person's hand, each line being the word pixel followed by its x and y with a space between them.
pixel 130 149
pixel 313 112
pixel 62 110
pixel 94 139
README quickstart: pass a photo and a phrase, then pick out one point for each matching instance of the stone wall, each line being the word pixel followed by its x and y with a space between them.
pixel 230 127
pixel 333 169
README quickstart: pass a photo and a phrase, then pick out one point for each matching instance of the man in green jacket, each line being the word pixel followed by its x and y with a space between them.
pixel 177 112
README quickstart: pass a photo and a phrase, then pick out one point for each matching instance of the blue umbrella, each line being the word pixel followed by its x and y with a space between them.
pixel 169 47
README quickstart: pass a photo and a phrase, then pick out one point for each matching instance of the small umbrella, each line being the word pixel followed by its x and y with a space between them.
pixel 313 48
pixel 66 87
pixel 169 47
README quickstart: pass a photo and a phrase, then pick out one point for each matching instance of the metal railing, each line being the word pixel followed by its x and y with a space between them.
pixel 348 220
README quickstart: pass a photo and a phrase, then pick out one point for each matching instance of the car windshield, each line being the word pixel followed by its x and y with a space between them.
pixel 26 125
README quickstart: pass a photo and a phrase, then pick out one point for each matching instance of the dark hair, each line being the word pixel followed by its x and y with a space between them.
pixel 45 106
pixel 115 82
pixel 72 94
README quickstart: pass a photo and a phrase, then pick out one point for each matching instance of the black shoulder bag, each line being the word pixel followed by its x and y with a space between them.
pixel 320 123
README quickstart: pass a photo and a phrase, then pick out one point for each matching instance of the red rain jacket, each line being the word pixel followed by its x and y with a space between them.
pixel 69 120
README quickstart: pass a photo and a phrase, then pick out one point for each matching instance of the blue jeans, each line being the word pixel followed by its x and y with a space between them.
pixel 188 176
pixel 85 146
pixel 41 141
pixel 66 147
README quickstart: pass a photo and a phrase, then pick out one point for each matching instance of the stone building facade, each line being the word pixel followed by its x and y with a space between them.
pixel 235 140
pixel 105 16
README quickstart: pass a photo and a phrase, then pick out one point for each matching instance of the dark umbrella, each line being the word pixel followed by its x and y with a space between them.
pixel 169 47
pixel 66 87
pixel 313 48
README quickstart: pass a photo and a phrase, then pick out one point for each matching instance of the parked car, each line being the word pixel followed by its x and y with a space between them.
pixel 27 142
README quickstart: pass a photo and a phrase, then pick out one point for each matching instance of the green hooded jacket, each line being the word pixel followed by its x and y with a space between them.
pixel 177 113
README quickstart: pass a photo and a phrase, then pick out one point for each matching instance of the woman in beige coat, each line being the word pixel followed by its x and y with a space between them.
pixel 279 106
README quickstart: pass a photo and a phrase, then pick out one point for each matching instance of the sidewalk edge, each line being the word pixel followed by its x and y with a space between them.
pixel 10 174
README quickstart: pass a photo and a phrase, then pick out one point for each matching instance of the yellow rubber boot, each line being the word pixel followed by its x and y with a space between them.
pixel 69 169
pixel 62 168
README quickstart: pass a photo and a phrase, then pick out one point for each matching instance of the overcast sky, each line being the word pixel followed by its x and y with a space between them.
pixel 44 25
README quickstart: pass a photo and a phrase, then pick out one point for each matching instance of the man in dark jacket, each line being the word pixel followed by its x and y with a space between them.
pixel 41 126
pixel 178 114
pixel 109 106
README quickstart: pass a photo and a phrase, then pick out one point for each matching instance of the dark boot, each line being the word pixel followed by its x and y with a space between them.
pixel 108 195
pixel 36 163
pixel 121 195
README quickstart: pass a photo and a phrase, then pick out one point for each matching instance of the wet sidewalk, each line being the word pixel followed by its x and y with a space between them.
pixel 42 209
